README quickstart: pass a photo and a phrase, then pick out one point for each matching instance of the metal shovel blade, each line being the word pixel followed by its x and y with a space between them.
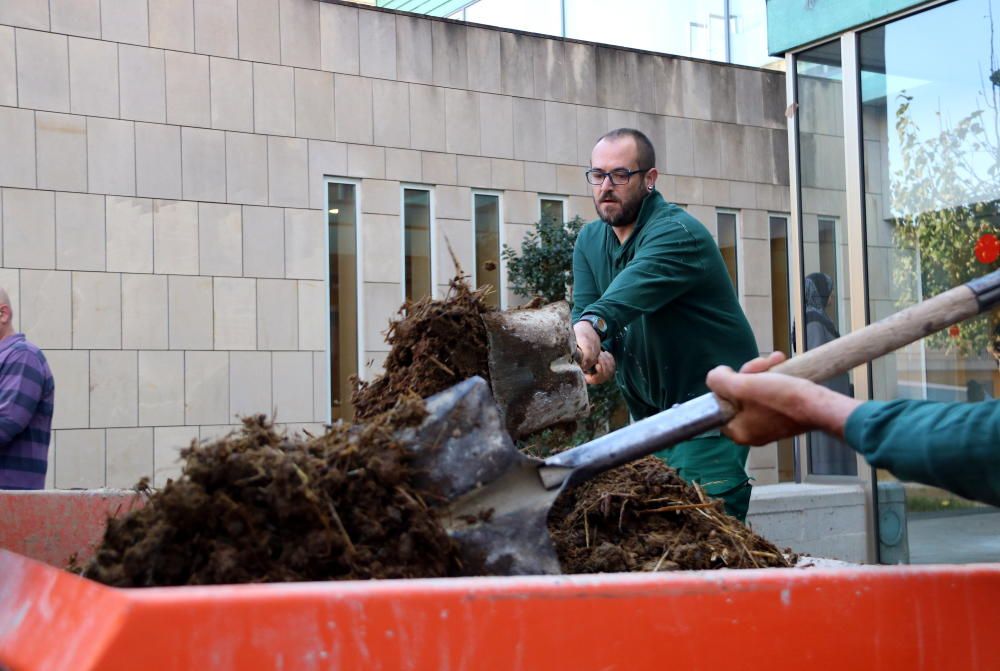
pixel 535 380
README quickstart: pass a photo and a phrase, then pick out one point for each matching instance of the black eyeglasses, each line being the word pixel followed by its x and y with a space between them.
pixel 618 176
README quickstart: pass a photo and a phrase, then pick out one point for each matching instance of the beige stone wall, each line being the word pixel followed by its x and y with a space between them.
pixel 162 189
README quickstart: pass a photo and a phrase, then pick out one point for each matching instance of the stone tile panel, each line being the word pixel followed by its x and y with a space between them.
pixel 414 50
pixel 246 168
pixel 46 308
pixel 215 28
pixel 273 99
pixel 93 77
pixel 287 172
pixel 450 59
pixel 257 27
pixel 300 33
pixel 277 305
pixel 190 312
pixel 203 164
pixel 142 83
pixel 175 237
pixel 293 385
pixel 206 387
pixel 220 239
pixel 157 161
pixel 129 457
pixel 97 312
pixel 128 229
pixel 462 122
pixel 353 109
pixel 28 229
pixel 188 97
pixel 377 32
pixel 111 156
pixel 235 313
pixel 144 312
pixel 42 70
pixel 249 383
pixel 339 42
pixel 80 242
pixel 71 370
pixel 263 242
pixel 314 104
pixel 496 116
pixel 125 21
pixel 61 145
pixel 231 97
pixel 79 459
pixel 171 24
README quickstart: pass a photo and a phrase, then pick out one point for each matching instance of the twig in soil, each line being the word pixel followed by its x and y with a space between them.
pixel 682 506
pixel 621 513
pixel 586 529
pixel 440 365
pixel 669 550
pixel 340 525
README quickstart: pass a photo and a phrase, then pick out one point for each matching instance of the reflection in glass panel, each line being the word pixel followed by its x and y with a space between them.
pixel 824 245
pixel 416 243
pixel 781 326
pixel 343 227
pixel 930 120
pixel 727 243
pixel 552 210
pixel 748 33
pixel 487 215
pixel 534 16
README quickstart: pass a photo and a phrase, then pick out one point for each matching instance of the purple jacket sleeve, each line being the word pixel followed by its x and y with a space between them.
pixel 21 387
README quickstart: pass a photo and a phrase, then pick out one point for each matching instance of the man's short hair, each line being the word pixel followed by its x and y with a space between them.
pixel 647 155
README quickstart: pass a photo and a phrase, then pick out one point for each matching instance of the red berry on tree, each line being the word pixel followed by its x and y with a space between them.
pixel 987 248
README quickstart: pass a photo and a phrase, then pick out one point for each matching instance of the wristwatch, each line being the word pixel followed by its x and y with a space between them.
pixel 598 323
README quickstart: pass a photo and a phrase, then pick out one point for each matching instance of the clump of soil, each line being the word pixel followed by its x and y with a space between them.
pixel 643 517
pixel 257 506
pixel 435 344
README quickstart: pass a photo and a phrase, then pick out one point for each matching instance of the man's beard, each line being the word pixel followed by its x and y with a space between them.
pixel 627 212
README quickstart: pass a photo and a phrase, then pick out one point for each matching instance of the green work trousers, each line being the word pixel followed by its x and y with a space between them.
pixel 717 464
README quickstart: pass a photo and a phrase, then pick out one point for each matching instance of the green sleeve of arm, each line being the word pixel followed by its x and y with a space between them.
pixel 955 446
pixel 584 286
pixel 663 268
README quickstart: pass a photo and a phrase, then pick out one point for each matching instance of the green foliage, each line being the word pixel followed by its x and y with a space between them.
pixel 544 269
pixel 944 200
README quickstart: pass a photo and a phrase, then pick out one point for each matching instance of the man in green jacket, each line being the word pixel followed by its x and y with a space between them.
pixel 955 446
pixel 653 307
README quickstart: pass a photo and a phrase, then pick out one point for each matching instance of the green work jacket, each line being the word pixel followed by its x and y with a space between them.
pixel 955 446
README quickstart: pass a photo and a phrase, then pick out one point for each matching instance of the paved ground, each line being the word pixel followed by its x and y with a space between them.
pixel 954 538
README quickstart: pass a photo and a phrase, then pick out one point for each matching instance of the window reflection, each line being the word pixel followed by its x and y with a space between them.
pixel 343 226
pixel 417 243
pixel 487 223
pixel 552 210
pixel 727 244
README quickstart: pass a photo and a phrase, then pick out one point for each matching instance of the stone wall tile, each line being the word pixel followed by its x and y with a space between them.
pixel 414 50
pixel 80 243
pixel 520 207
pixel 203 164
pixel 496 114
pixel 97 312
pixel 277 305
pixel 175 237
pixel 305 252
pixel 439 168
pixel 453 202
pixel 287 172
pixel 79 459
pixel 93 77
pixel 142 83
pixel 696 89
pixel 321 388
pixel 722 94
pixel 377 32
pixel 246 168
pixel 403 165
pixel 46 308
pixel 129 457
pixel 517 67
pixel 462 122
pixel 215 28
pixel 28 229
pixel 507 174
pixel 365 161
pixel 129 233
pixel 380 235
pixel 144 312
pixel 188 97
pixel 483 52
pixel 111 156
pixel 157 161
pixel 273 99
pixel 231 101
pixel 61 141
pixel 71 370
pixel 235 313
pixel 190 312
pixel 379 197
pixel 25 13
pixel 668 85
pixel 249 384
pixel 313 315
pixel 291 373
pixel 581 73
pixel 560 132
pixel 206 387
pixel 42 71
pixel 220 239
pixel 749 97
pixel 257 27
pixel 381 303
pixel 353 109
pixel 314 104
pixel 171 24
pixel 474 171
pixel 339 43
pixel 708 157
pixel 391 111
pixel 529 130
pixel 450 59
pixel 125 21
pixel 300 33
pixel 263 242
pixel 8 67
pixel 427 118
pixel 550 66
pixel 17 146
pixel 325 159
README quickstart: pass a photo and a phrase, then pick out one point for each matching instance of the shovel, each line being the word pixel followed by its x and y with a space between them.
pixel 499 500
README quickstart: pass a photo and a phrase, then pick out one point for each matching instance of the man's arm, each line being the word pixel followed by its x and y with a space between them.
pixel 585 292
pixel 21 387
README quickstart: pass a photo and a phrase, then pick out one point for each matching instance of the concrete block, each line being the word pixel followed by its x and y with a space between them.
pixel 235 313
pixel 732 140
pixel 257 27
pixel 168 441
pixel 591 123
pixel 293 386
pixel 377 34
pixel 453 202
pixel 520 207
pixel 263 242
pixel 93 77
pixel 231 84
pixel 314 104
pixel 220 239
pixel 582 207
pixel 689 190
pixel 79 459
pixel 380 197
pixel 171 24
pixel 756 257
pixel 439 168
pixel 743 195
pixel 313 315
pixel 111 156
pixel 300 33
pixel 696 89
pixel 427 118
pixel 773 85
pixel 273 99
pixel 571 180
pixel 157 161
pixel 708 157
pixel 28 229
pixel 722 93
pixel 507 174
pixel 128 229
pixel 496 116
pixel 560 132
pixel 80 243
pixel 129 457
pixel 17 146
pixel 365 161
pixel 8 67
pixel 277 305
pixel 541 177
pixel 414 50
pixel 339 42
pixel 114 389
pixel 622 118
pixel 249 384
pixel 529 130
pixel 246 168
pixel 97 311
pixel 353 109
pixel 381 305
pixel 517 67
pixel 759 313
pixel 474 171
pixel 325 159
pixel 61 141
pixel 620 80
pixel 144 312
pixel 581 73
pixel 380 234
pixel 287 172
pixel 462 122
pixel 483 52
pixel 188 91
pixel 668 86
pixel 716 192
pixel 215 28
pixel 142 83
pixel 25 14
pixel 405 165
pixel 305 239
pixel 206 387
pixel 450 60
pixel 42 71
pixel 749 97
pixel 321 388
pixel 71 370
pixel 125 21
pixel 754 224
pixel 175 237
pixel 190 312
pixel 46 308
pixel 203 164
pixel 391 111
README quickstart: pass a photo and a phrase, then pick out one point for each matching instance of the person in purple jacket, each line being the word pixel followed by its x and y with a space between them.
pixel 27 392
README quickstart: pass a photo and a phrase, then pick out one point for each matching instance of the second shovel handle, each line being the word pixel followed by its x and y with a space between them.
pixel 885 336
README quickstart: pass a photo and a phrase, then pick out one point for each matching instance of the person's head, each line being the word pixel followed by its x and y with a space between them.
pixel 818 289
pixel 6 315
pixel 624 163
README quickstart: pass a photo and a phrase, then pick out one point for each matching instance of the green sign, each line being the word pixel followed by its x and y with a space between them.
pixel 793 23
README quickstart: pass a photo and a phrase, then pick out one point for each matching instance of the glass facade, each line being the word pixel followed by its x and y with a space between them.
pixel 734 31
pixel 416 244
pixel 342 222
pixel 486 208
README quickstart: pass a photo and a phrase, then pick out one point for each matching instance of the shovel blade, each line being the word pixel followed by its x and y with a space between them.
pixel 496 505
pixel 535 380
